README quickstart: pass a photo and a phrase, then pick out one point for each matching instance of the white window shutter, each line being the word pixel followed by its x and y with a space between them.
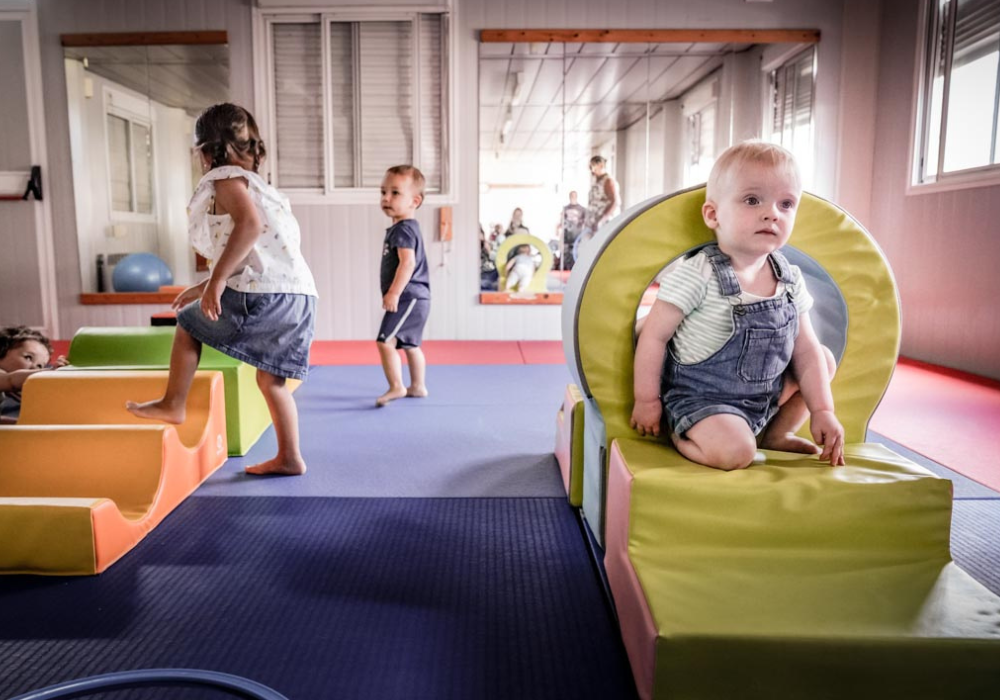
pixel 386 97
pixel 142 153
pixel 298 88
pixel 432 98
pixel 342 103
pixel 118 164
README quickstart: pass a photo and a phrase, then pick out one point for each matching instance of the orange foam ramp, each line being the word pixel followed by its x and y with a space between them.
pixel 83 481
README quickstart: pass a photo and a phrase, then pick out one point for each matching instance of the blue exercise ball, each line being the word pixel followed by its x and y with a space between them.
pixel 141 272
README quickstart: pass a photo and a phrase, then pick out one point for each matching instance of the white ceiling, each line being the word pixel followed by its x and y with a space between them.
pixel 189 77
pixel 549 96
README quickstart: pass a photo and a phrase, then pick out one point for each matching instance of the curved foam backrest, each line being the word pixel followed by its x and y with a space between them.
pixel 618 265
pixel 510 243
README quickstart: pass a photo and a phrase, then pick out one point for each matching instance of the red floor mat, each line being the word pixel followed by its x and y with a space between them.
pixel 950 417
pixel 542 352
pixel 437 352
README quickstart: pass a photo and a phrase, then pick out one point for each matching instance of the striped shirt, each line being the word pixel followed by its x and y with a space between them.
pixel 691 285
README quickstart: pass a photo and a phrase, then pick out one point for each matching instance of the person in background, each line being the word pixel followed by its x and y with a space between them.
pixel 23 352
pixel 603 204
pixel 571 223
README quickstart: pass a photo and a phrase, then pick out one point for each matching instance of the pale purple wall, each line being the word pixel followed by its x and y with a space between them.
pixel 944 248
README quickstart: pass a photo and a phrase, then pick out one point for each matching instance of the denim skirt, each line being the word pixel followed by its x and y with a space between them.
pixel 271 332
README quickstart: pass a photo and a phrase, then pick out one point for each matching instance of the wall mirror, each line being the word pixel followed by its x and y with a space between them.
pixel 133 100
pixel 655 106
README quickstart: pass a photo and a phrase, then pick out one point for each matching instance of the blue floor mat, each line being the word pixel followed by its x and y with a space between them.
pixel 335 598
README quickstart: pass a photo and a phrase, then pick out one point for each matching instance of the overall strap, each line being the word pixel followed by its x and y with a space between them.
pixel 781 266
pixel 724 272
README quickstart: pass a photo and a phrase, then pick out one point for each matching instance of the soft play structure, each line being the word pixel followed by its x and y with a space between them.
pixel 83 480
pixel 789 579
pixel 148 348
pixel 538 282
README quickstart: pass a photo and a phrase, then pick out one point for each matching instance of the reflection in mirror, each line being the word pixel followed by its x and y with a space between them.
pixel 131 114
pixel 571 134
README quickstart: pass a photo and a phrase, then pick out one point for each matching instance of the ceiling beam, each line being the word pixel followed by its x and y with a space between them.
pixel 660 36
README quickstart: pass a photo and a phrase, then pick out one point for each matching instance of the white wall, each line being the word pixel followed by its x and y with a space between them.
pixel 342 242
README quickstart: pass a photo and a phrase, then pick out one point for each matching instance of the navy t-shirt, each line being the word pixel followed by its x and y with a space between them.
pixel 406 234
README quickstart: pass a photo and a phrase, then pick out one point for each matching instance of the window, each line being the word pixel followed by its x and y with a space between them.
pixel 791 106
pixel 130 163
pixel 956 135
pixel 699 107
pixel 349 99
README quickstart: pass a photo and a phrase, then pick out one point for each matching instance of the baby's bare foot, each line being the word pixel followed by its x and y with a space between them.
pixel 390 395
pixel 156 410
pixel 417 392
pixel 278 467
pixel 789 442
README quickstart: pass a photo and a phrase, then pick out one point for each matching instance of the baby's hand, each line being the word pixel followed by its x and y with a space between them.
pixel 646 417
pixel 390 302
pixel 828 432
pixel 60 361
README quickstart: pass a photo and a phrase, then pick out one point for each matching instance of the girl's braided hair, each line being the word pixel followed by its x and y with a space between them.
pixel 226 130
pixel 13 336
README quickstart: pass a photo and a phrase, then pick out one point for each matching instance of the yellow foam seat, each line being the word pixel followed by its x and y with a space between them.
pixel 82 481
pixel 789 579
pixel 569 444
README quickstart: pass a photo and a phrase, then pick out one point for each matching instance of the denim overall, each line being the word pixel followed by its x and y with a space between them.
pixel 744 377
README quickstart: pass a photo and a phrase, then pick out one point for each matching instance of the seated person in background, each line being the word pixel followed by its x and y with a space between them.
pixel 735 316
pixel 520 269
pixel 23 352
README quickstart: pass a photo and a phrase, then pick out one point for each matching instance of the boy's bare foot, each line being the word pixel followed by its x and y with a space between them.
pixel 417 392
pixel 390 395
pixel 278 467
pixel 790 442
pixel 156 410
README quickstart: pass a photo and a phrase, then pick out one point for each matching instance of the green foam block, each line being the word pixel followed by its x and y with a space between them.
pixel 793 579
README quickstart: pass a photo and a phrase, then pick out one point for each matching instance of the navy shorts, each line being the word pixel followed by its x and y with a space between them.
pixel 406 323
pixel 271 331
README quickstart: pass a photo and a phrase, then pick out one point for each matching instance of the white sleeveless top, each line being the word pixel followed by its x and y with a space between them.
pixel 275 265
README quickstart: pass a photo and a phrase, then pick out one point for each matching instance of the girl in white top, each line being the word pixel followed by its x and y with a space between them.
pixel 259 303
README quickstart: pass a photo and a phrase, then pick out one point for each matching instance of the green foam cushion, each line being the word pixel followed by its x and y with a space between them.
pixel 148 347
pixel 768 577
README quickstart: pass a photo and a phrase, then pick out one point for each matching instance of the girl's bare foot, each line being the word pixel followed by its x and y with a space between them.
pixel 156 410
pixel 390 395
pixel 789 442
pixel 278 467
pixel 417 392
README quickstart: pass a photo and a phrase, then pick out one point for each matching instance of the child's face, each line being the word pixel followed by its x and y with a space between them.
pixel 753 215
pixel 400 197
pixel 28 355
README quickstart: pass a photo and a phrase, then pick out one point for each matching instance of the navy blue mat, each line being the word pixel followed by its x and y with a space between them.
pixel 335 598
pixel 485 431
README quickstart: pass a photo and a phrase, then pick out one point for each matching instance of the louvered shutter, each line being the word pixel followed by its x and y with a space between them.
pixel 298 93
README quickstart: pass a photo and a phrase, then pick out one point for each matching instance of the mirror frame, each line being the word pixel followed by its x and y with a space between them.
pixel 190 38
pixel 629 36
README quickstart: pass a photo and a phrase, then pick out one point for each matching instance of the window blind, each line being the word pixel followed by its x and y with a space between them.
pixel 142 158
pixel 432 99
pixel 298 88
pixel 342 103
pixel 977 30
pixel 385 92
pixel 120 173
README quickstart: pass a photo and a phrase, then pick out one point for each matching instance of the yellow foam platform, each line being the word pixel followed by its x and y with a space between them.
pixel 83 481
pixel 790 579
